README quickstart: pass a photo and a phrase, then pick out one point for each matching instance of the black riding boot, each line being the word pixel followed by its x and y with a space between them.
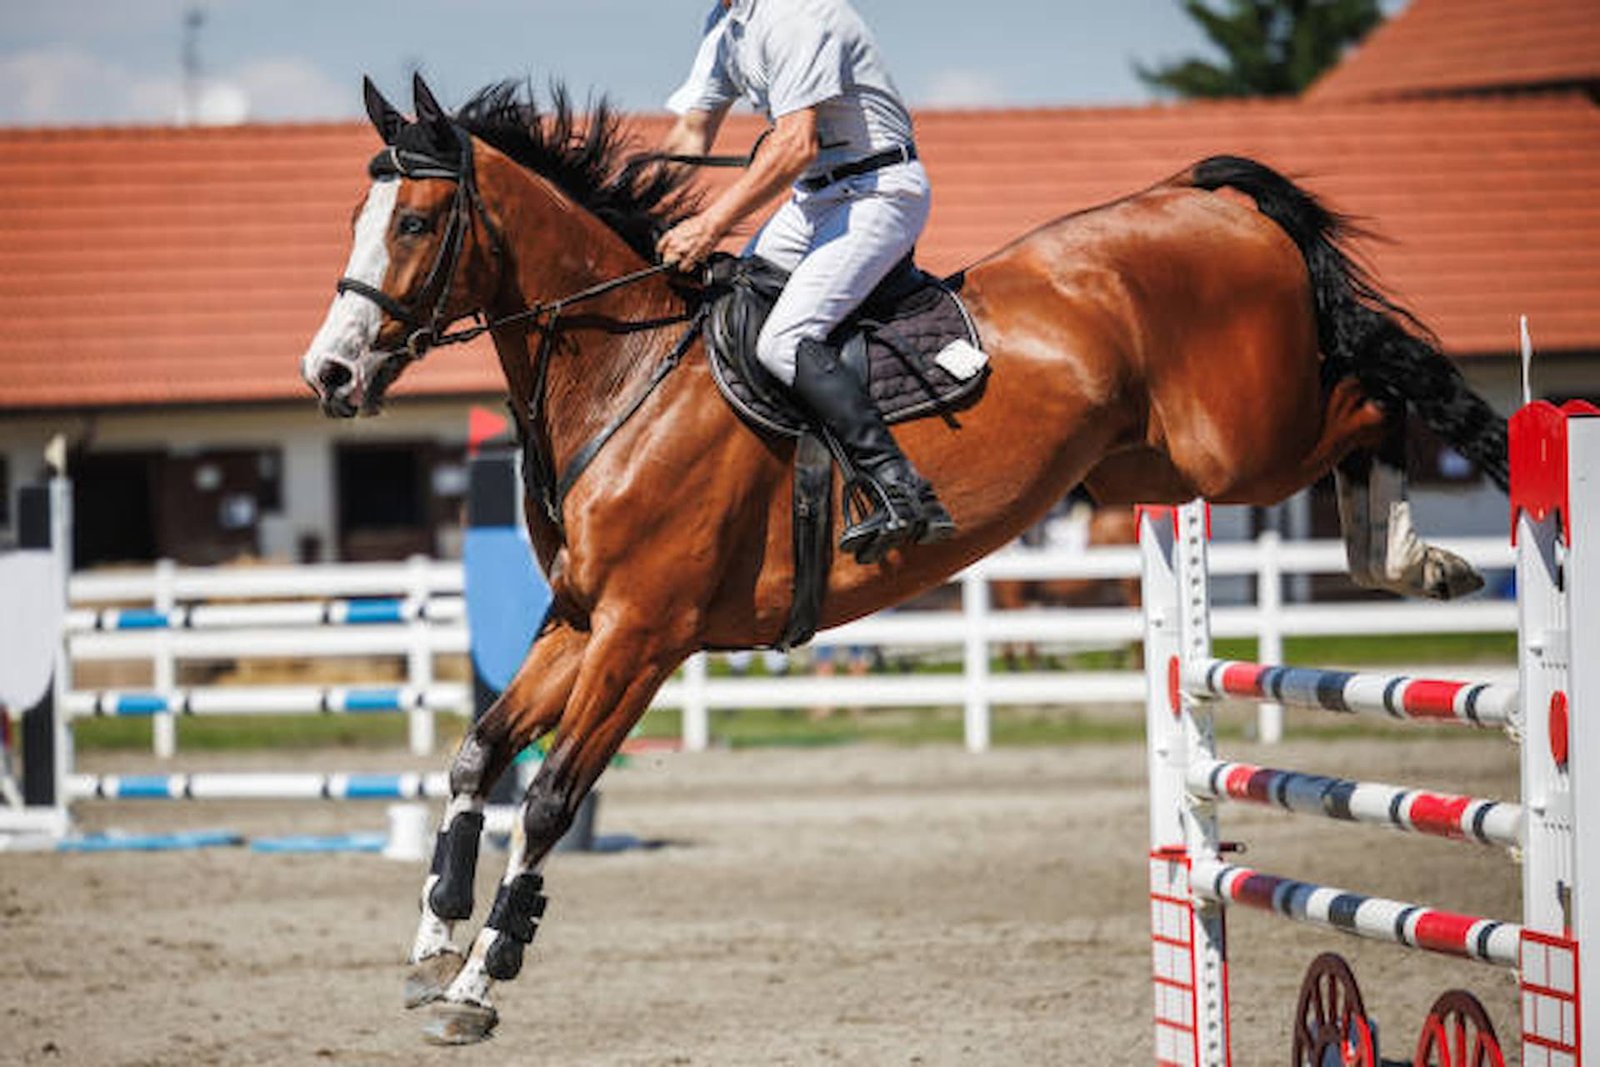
pixel 904 507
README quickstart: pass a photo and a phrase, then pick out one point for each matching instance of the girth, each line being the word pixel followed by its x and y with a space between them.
pixel 897 342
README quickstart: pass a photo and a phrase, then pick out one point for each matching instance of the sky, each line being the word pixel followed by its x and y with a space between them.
pixel 76 62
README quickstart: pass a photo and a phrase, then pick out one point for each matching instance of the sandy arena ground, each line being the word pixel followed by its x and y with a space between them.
pixel 830 906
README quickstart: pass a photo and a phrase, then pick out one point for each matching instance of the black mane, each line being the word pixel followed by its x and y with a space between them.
pixel 585 162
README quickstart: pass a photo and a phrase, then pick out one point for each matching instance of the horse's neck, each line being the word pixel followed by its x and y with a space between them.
pixel 594 362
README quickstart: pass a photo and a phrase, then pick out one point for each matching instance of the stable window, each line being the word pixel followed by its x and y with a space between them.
pixel 113 498
pixel 384 495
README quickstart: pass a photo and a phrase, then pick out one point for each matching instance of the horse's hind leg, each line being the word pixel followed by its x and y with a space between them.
pixel 528 708
pixel 621 672
pixel 1381 543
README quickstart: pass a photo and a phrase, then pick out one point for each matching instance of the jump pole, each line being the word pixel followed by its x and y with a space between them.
pixel 1555 508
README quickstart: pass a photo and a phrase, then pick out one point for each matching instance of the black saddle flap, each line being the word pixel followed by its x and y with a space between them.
pixel 895 338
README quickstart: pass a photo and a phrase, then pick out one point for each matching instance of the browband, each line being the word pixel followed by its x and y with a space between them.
pixel 395 162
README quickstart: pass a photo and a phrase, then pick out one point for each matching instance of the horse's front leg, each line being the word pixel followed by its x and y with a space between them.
pixel 528 708
pixel 623 667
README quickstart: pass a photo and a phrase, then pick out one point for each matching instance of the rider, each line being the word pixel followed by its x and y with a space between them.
pixel 841 141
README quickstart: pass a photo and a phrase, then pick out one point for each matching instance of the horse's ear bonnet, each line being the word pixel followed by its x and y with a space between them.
pixel 385 119
pixel 434 133
pixel 427 105
pixel 433 137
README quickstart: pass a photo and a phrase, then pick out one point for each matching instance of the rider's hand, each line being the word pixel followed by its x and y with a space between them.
pixel 689 243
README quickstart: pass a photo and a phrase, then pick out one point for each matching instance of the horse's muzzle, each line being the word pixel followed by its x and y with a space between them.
pixel 335 382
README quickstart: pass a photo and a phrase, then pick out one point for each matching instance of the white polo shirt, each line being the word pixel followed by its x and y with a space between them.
pixel 787 55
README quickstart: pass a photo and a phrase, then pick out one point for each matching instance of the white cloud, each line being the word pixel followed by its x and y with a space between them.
pixel 67 85
pixel 963 88
pixel 292 89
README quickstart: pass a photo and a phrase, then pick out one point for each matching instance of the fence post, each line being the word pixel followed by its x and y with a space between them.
pixel 975 622
pixel 1555 494
pixel 696 717
pixel 1582 572
pixel 419 656
pixel 1269 607
pixel 62 532
pixel 1188 935
pixel 164 669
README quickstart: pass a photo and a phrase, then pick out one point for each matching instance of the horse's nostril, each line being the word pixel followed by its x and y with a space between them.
pixel 334 377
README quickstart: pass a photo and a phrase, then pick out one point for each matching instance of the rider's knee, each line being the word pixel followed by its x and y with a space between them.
pixel 775 349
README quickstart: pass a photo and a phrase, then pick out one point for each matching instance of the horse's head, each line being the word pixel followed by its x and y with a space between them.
pixel 418 242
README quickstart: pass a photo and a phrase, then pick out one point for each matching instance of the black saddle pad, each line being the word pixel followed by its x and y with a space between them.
pixel 912 340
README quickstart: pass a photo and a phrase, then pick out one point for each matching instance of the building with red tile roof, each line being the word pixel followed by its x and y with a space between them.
pixel 161 284
pixel 1456 47
pixel 191 266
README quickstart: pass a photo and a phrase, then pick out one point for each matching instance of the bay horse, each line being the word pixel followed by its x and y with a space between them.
pixel 1181 342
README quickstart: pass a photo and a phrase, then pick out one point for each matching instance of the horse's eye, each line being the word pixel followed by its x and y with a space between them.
pixel 409 225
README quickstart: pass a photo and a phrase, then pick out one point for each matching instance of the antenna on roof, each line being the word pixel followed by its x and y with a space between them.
pixel 189 108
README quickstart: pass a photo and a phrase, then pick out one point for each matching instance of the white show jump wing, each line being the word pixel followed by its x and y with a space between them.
pixel 30 625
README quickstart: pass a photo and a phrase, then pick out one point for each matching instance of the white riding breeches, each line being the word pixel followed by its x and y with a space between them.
pixel 837 243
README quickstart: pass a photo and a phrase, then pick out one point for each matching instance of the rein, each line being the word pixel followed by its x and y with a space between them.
pixel 434 332
pixel 552 308
pixel 552 490
pixel 550 487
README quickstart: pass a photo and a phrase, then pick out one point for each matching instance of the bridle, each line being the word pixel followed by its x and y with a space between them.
pixel 433 329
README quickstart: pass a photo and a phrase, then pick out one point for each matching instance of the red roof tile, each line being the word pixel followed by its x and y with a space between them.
pixel 161 266
pixel 1455 46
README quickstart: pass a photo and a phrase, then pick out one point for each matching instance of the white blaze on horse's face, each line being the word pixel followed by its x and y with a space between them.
pixel 340 366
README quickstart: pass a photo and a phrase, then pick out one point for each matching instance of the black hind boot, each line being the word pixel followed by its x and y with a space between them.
pixel 902 506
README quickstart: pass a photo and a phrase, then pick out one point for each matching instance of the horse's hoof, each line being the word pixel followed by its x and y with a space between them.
pixel 429 978
pixel 459 1024
pixel 1447 576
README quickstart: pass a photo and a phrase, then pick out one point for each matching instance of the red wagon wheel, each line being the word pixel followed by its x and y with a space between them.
pixel 1458 1033
pixel 1330 1021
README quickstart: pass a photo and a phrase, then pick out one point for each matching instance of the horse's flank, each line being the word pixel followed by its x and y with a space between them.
pixel 1111 334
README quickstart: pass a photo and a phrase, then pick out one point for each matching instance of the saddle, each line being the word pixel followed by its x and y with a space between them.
pixel 911 340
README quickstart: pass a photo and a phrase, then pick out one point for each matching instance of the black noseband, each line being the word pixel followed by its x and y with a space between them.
pixel 394 163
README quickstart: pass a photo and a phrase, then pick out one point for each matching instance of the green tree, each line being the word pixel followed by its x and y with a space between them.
pixel 1271 47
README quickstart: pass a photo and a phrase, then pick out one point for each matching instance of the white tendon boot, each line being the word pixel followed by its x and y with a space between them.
pixel 1382 545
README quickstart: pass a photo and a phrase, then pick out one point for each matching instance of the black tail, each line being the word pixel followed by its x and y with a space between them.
pixel 1362 332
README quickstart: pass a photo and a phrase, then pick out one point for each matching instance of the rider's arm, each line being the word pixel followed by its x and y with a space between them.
pixel 783 156
pixel 694 133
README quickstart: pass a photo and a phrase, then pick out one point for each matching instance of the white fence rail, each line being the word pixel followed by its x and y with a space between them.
pixel 427 597
pixel 412 610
